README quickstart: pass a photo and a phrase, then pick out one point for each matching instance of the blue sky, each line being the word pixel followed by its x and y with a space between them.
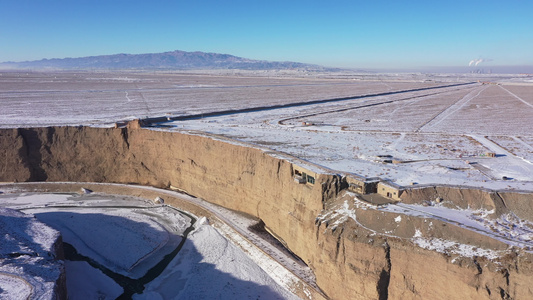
pixel 358 34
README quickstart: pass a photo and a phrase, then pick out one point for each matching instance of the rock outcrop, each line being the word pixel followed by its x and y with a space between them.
pixel 349 258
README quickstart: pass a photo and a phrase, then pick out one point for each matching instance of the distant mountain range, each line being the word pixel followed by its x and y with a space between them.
pixel 174 60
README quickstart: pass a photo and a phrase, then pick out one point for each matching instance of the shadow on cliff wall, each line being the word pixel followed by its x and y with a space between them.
pixel 33 155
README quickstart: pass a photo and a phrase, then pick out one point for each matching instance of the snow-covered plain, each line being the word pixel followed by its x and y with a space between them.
pixel 102 98
pixel 351 135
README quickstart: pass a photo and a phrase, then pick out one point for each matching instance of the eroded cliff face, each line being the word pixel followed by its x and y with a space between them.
pixel 350 260
pixel 14 165
pixel 518 203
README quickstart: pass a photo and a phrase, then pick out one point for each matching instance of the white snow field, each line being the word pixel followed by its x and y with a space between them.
pixel 102 98
pixel 211 267
pixel 27 265
pixel 434 139
pixel 128 236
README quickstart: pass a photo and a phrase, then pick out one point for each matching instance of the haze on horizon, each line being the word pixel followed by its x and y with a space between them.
pixel 347 34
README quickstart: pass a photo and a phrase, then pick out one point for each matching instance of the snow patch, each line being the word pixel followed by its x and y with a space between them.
pixel 451 247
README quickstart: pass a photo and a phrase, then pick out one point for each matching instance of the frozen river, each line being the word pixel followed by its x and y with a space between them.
pixel 119 246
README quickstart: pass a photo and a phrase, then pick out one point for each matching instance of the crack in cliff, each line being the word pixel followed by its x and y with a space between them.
pixel 124 134
pixel 34 159
pixel 146 168
pixel 503 291
pixel 500 198
pixel 331 188
pixel 339 242
pixel 317 231
pixel 196 165
pixel 504 294
pixel 478 266
pixel 343 250
pixel 506 276
pixel 384 276
pixel 462 199
pixel 25 142
pixel 488 290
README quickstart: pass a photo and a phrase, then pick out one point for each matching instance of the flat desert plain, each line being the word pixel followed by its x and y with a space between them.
pixel 406 128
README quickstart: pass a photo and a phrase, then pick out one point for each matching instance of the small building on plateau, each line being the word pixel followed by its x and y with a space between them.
pixel 389 190
pixel 362 185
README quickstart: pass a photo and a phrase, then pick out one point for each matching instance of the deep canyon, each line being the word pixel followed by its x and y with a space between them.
pixel 371 256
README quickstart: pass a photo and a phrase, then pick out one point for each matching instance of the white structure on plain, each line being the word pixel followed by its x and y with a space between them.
pixel 159 200
pixel 201 221
pixel 85 191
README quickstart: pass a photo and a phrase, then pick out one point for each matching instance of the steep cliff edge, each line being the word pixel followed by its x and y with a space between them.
pixel 516 202
pixel 389 254
pixel 353 256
